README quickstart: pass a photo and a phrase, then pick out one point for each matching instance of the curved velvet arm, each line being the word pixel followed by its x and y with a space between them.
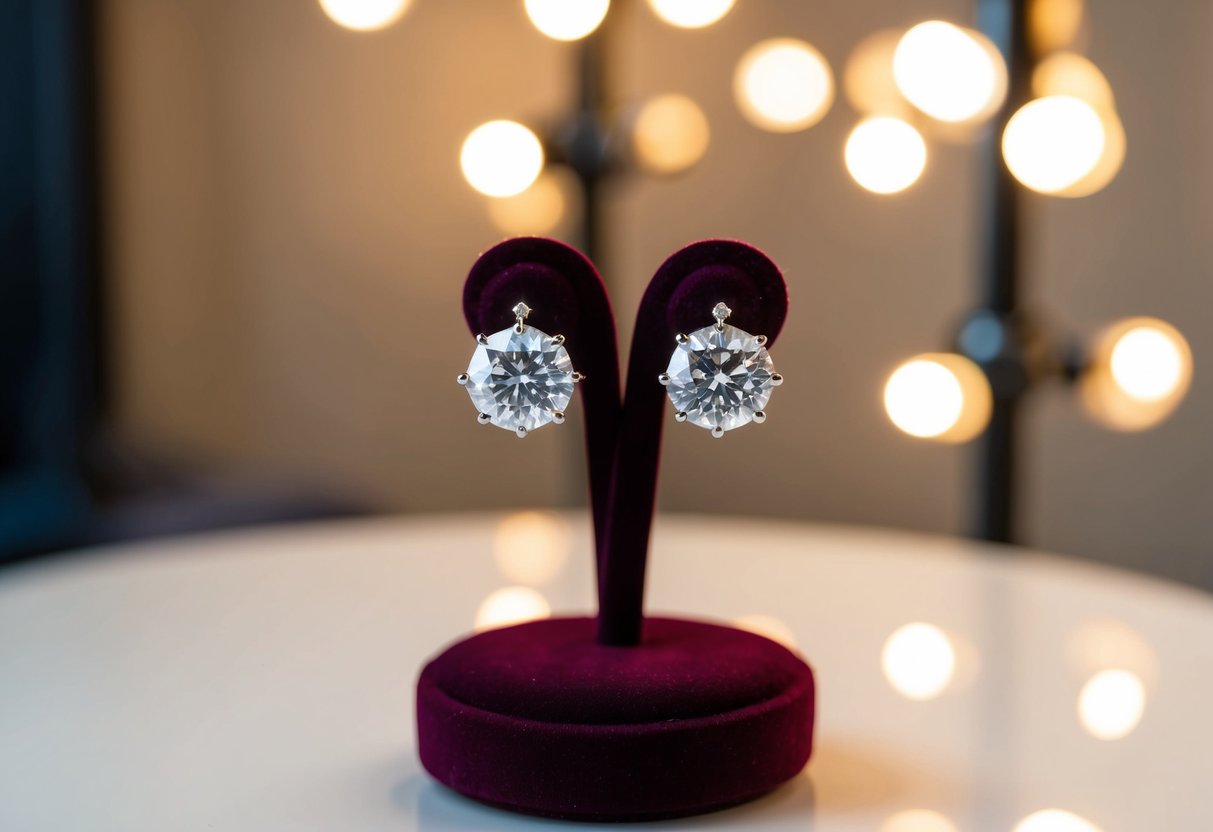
pixel 568 298
pixel 679 299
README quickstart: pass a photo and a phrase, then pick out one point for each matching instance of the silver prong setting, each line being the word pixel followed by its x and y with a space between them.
pixel 532 388
pixel 721 313
pixel 748 378
pixel 520 310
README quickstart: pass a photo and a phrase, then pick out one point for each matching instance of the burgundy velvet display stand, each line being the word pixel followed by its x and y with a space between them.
pixel 618 717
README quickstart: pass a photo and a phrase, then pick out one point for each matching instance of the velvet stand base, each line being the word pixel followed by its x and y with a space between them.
pixel 541 719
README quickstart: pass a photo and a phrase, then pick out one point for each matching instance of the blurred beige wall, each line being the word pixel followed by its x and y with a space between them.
pixel 290 233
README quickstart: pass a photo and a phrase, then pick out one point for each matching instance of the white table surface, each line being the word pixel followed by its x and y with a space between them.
pixel 262 680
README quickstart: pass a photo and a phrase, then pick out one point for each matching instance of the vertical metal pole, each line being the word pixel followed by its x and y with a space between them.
pixel 589 142
pixel 587 138
pixel 1001 266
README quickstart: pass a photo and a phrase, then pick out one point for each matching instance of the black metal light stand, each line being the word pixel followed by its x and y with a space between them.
pixel 998 336
pixel 583 142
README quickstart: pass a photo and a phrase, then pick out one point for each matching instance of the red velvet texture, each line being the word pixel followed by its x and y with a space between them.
pixel 619 717
pixel 541 718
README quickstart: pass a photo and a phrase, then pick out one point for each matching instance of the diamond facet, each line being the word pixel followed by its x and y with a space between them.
pixel 720 377
pixel 520 379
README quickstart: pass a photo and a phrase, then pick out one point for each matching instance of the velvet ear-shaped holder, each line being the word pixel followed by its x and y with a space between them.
pixel 618 717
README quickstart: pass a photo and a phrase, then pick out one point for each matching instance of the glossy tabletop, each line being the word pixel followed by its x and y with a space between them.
pixel 263 680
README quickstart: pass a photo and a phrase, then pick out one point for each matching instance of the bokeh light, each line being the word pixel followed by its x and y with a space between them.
pixel 1068 73
pixel 867 78
pixel 1140 370
pixel 1106 643
pixel 919 661
pixel 567 19
pixel 917 820
pixel 783 85
pixel 1054 24
pixel 949 73
pixel 531 547
pixel 1110 160
pixel 691 14
pixel 511 605
pixel 1111 704
pixel 1071 74
pixel 540 209
pixel 768 626
pixel 1148 363
pixel 940 396
pixel 1055 820
pixel 364 15
pixel 1052 143
pixel 885 155
pixel 670 134
pixel 501 158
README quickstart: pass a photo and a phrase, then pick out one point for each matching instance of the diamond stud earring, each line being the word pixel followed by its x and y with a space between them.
pixel 520 378
pixel 720 377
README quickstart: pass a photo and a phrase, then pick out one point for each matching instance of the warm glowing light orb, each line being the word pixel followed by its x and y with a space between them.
pixel 919 661
pixel 885 155
pixel 511 605
pixel 924 398
pixel 783 85
pixel 768 626
pixel 917 820
pixel 501 158
pixel 1148 363
pixel 951 74
pixel 1051 143
pixel 1110 161
pixel 1054 820
pixel 1101 643
pixel 867 78
pixel 364 15
pixel 531 547
pixel 941 396
pixel 1111 704
pixel 540 209
pixel 1140 370
pixel 1054 24
pixel 1068 73
pixel 670 134
pixel 567 19
pixel 691 14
